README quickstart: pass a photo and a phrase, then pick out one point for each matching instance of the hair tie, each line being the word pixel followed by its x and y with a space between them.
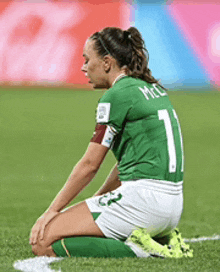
pixel 127 35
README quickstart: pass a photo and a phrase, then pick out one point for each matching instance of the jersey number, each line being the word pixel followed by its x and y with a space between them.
pixel 164 115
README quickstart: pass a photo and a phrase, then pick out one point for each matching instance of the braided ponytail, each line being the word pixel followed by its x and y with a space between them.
pixel 138 67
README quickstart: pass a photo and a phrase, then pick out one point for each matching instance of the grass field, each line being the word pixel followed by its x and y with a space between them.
pixel 43 133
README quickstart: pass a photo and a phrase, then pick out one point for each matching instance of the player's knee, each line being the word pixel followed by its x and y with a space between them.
pixel 37 250
pixel 42 251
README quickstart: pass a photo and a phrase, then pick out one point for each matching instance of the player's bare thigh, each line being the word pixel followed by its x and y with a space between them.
pixel 75 221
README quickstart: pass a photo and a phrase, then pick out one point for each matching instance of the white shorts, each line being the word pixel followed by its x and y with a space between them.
pixel 152 204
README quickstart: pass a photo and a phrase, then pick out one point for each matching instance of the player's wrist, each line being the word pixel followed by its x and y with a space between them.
pixel 51 210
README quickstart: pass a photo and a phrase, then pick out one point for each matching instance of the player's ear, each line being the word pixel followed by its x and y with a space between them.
pixel 107 62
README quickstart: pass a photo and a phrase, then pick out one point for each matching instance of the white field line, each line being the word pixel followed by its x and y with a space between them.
pixel 37 264
pixel 41 264
pixel 201 239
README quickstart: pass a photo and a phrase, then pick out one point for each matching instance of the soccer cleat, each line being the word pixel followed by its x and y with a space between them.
pixel 141 239
pixel 177 245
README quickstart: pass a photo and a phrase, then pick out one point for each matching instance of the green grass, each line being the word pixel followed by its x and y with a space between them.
pixel 42 136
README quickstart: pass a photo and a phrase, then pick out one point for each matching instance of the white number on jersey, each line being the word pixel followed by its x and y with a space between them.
pixel 181 138
pixel 164 115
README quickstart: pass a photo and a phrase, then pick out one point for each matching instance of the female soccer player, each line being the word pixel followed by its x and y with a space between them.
pixel 142 197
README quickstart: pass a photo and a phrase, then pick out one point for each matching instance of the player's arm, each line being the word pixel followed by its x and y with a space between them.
pixel 112 182
pixel 104 135
pixel 82 174
pixel 87 167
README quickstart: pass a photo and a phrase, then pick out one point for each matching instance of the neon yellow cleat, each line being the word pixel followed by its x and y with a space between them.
pixel 145 246
pixel 141 239
pixel 177 245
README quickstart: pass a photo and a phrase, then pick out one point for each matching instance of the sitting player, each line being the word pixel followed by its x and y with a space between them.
pixel 141 202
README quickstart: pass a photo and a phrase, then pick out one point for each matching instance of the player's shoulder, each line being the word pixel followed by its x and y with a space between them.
pixel 123 89
pixel 127 83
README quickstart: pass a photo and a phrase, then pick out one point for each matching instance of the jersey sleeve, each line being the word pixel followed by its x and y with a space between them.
pixel 113 109
pixel 111 114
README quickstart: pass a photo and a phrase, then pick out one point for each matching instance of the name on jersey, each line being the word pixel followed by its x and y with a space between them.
pixel 153 92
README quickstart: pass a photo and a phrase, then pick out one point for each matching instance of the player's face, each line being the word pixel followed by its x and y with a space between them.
pixel 93 66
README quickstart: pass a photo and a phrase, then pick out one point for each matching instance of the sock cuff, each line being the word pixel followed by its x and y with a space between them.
pixel 60 249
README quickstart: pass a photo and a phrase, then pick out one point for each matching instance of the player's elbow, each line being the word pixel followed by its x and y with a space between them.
pixel 91 165
pixel 93 158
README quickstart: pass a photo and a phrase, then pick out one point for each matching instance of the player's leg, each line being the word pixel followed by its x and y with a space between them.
pixel 92 247
pixel 115 220
pixel 75 221
pixel 121 212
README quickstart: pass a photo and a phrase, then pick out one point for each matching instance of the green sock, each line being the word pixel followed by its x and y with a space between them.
pixel 92 247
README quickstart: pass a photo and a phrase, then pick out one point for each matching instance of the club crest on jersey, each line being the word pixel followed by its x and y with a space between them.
pixel 103 112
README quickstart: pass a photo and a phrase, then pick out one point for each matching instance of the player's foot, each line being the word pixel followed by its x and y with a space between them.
pixel 177 245
pixel 141 239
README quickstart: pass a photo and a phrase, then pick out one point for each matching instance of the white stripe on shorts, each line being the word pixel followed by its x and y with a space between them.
pixel 164 186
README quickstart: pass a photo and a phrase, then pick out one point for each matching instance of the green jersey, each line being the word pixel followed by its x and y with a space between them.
pixel 148 142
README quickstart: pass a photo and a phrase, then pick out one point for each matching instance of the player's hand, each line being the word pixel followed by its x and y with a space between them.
pixel 37 232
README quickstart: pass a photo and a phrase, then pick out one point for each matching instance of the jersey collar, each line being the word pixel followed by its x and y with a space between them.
pixel 118 78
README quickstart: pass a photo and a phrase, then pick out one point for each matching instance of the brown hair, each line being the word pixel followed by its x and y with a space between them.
pixel 128 48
